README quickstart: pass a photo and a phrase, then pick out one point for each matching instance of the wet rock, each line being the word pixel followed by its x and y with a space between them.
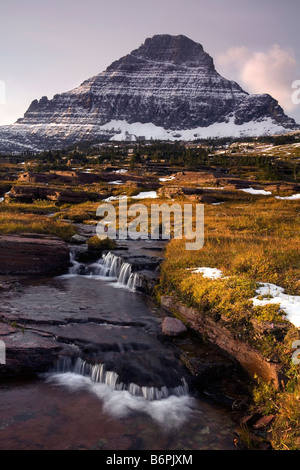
pixel 241 404
pixel 173 327
pixel 249 420
pixel 78 239
pixel 33 254
pixel 6 329
pixel 12 285
pixel 146 281
pixel 28 352
pixel 263 422
pixel 143 262
pixel 139 262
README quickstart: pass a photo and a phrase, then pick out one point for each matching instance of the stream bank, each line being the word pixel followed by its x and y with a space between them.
pixel 95 329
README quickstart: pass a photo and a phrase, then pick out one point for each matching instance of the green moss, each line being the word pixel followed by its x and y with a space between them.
pixel 269 313
pixel 99 245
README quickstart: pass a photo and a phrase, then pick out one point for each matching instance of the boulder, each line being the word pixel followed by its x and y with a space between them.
pixel 173 327
pixel 33 254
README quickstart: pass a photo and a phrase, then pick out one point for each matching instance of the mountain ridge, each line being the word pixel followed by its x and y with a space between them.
pixel 168 89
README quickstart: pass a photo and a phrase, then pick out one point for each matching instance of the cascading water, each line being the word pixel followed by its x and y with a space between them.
pixel 133 281
pixel 137 400
pixel 98 373
pixel 109 266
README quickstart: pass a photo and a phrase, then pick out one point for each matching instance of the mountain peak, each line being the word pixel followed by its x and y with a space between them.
pixel 168 88
pixel 179 50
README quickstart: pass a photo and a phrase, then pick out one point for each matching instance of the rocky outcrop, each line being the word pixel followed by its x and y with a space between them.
pixel 33 254
pixel 250 359
pixel 195 177
pixel 146 281
pixel 31 177
pixel 28 193
pixel 168 88
pixel 170 192
pixel 68 196
pixel 70 177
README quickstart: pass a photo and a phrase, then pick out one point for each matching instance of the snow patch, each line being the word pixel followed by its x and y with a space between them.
pixel 294 196
pixel 146 195
pixel 211 273
pixel 130 131
pixel 114 198
pixel 290 304
pixel 256 191
pixel 141 195
pixel 167 178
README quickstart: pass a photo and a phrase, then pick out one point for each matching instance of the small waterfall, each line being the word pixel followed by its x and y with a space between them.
pixel 98 373
pixel 125 273
pixel 110 266
pixel 113 263
pixel 121 270
pixel 133 281
pixel 81 269
pixel 76 267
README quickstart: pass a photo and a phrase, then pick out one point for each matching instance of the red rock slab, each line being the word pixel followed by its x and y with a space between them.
pixel 33 254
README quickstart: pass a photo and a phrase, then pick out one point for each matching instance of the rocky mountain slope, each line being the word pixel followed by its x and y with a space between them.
pixel 168 88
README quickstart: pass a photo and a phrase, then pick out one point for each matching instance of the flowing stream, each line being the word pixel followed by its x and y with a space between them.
pixel 123 388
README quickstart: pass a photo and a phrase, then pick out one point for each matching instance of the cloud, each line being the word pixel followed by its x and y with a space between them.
pixel 272 71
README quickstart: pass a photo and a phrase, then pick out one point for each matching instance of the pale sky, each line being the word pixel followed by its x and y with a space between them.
pixel 49 47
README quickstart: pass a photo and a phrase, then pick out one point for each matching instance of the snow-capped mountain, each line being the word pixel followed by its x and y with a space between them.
pixel 168 88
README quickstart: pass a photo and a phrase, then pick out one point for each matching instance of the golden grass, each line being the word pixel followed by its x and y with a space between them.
pixel 15 222
pixel 249 241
